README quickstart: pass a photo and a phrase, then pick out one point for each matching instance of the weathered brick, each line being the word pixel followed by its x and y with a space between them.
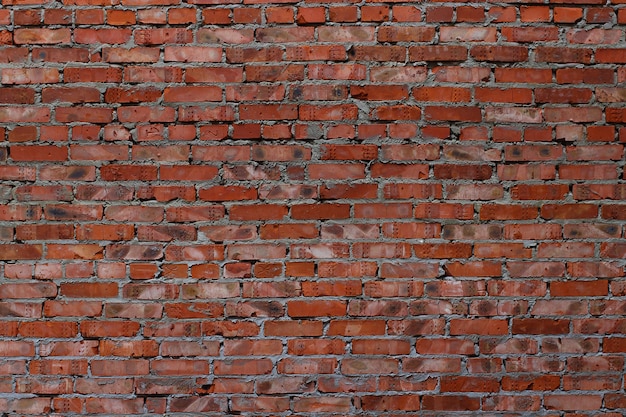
pixel 290 192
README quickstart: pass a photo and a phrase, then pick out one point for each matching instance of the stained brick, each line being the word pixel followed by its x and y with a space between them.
pixel 292 198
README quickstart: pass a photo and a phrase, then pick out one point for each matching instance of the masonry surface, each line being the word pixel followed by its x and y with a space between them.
pixel 217 207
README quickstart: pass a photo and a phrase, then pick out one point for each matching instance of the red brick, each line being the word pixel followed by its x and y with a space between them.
pixel 462 114
pixel 24 114
pixel 470 14
pixel 406 14
pixel 478 326
pixel 565 55
pixel 41 36
pixel 450 403
pixel 573 403
pixel 269 234
pixel 17 95
pixel 469 384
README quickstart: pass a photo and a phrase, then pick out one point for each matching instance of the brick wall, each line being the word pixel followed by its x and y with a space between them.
pixel 211 207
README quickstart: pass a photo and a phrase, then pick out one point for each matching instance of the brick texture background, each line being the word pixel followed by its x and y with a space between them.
pixel 217 207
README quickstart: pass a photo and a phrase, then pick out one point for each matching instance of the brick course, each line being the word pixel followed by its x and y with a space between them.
pixel 377 208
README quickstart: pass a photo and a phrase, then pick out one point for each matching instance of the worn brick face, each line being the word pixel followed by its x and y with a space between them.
pixel 283 207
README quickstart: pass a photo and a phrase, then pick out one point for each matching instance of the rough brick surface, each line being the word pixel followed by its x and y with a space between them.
pixel 312 208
